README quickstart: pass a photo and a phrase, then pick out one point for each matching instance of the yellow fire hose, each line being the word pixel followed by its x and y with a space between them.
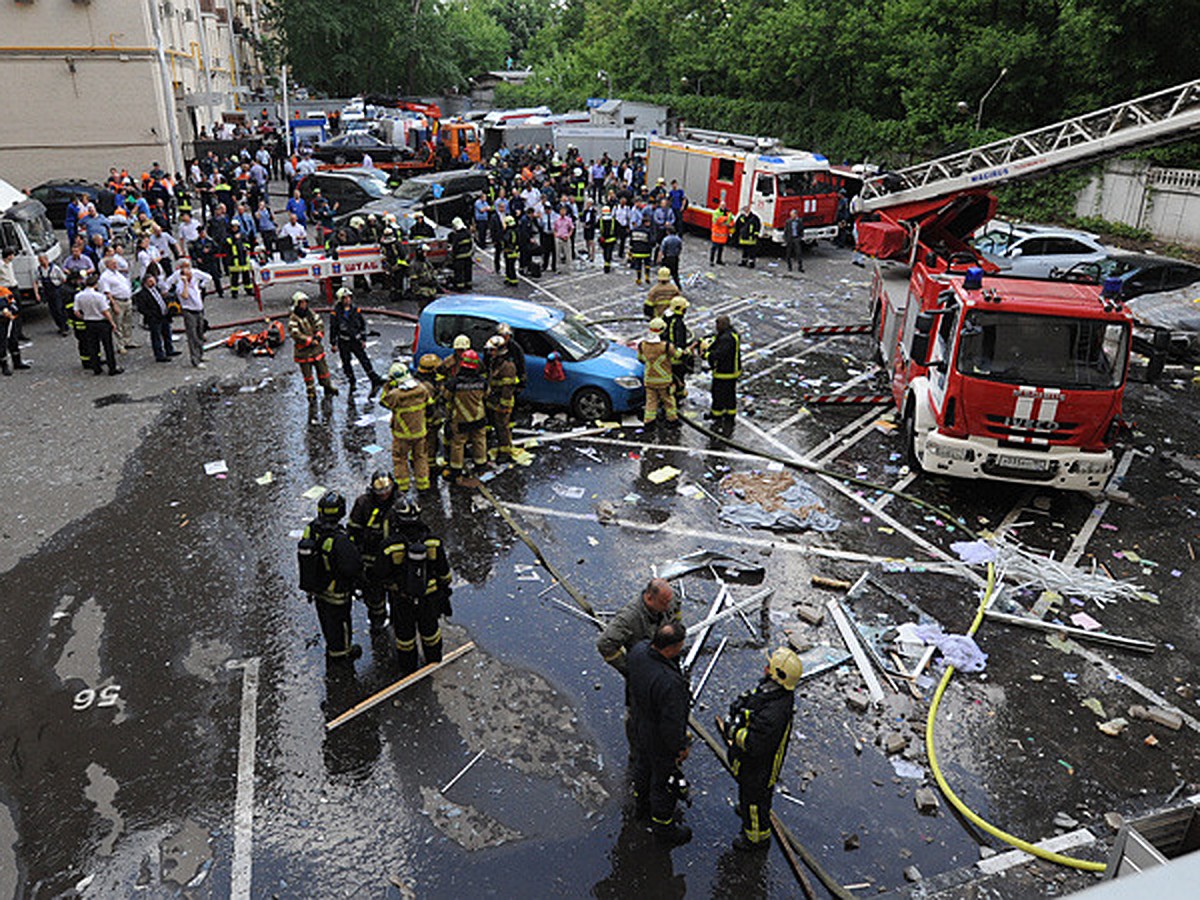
pixel 931 719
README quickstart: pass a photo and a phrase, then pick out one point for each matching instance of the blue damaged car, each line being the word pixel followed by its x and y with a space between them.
pixel 602 378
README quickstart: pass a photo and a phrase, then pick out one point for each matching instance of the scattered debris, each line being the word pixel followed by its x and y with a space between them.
pixel 773 500
pixel 894 742
pixel 846 630
pixel 664 474
pixel 858 701
pixel 216 467
pixel 905 769
pixel 1095 706
pixel 713 562
pixel 1150 741
pixel 833 584
pixel 1158 716
pixel 926 801
pixel 1113 727
pixel 568 492
pixel 1114 820
pixel 470 828
pixel 1064 821
pixel 851 842
pixel 810 614
pixel 912 873
pixel 958 650
pixel 265 478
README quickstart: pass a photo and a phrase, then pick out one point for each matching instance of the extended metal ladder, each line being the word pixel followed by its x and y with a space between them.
pixel 1148 120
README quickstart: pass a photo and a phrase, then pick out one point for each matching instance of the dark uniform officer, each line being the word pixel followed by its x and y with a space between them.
pixel 758 730
pixel 747 228
pixel 343 562
pixel 640 245
pixel 608 236
pixel 462 249
pixel 348 336
pixel 659 700
pixel 238 249
pixel 418 582
pixel 724 355
pixel 367 519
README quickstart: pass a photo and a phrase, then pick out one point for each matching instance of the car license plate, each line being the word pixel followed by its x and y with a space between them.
pixel 1023 462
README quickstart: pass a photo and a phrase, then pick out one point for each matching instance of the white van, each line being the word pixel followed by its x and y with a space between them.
pixel 25 228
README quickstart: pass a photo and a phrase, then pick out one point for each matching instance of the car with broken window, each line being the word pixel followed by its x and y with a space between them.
pixel 600 378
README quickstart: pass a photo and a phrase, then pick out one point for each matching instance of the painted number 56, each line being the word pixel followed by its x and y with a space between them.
pixel 106 696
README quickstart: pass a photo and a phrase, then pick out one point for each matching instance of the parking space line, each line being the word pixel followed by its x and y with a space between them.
pixel 861 422
pixel 840 389
pixel 1079 544
pixel 243 810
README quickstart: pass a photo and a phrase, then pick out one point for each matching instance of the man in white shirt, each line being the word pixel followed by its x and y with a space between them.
pixel 93 307
pixel 190 287
pixel 165 244
pixel 294 232
pixel 188 229
pixel 117 288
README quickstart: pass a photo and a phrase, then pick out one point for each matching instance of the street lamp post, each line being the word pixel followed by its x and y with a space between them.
pixel 986 94
pixel 603 76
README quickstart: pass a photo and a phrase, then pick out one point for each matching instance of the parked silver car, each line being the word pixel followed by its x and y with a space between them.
pixel 1034 251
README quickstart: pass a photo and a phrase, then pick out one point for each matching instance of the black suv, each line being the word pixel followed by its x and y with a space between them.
pixel 441 196
pixel 347 189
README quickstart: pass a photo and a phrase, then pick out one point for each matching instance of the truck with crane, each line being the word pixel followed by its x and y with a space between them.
pixel 997 377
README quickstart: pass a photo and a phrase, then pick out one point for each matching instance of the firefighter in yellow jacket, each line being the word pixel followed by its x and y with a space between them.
pixel 468 418
pixel 307 333
pixel 417 574
pixel 408 399
pixel 430 374
pixel 658 356
pixel 659 296
pixel 501 392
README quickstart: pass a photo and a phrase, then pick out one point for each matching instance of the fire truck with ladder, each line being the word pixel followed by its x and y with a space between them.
pixel 743 170
pixel 1003 378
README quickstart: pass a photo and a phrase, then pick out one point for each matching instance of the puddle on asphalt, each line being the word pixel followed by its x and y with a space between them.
pixel 102 790
pixel 9 878
pixel 519 719
pixel 470 828
pixel 206 658
pixel 186 855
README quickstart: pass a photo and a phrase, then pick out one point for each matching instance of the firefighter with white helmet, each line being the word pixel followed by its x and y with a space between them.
pixel 511 242
pixel 757 734
pixel 608 236
pixel 462 251
pixel 307 334
pixel 348 338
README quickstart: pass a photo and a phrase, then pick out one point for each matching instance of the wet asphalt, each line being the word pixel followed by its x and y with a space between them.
pixel 136 588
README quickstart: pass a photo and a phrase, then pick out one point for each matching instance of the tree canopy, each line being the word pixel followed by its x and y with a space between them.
pixel 890 80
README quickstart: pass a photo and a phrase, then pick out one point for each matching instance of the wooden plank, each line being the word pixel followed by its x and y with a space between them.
pixel 392 689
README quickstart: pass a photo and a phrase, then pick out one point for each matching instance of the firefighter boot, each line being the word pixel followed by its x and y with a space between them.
pixel 744 844
pixel 376 384
pixel 4 369
pixel 671 833
pixel 406 655
pixel 16 363
pixel 331 388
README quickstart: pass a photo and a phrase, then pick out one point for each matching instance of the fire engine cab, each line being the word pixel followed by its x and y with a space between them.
pixel 1003 378
pixel 742 170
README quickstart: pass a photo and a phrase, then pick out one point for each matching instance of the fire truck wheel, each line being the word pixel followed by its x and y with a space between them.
pixel 910 438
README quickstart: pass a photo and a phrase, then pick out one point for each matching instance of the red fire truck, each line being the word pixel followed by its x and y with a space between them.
pixel 1003 378
pixel 742 170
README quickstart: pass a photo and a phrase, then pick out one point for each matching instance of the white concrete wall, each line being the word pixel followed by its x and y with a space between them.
pixel 81 89
pixel 1165 202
